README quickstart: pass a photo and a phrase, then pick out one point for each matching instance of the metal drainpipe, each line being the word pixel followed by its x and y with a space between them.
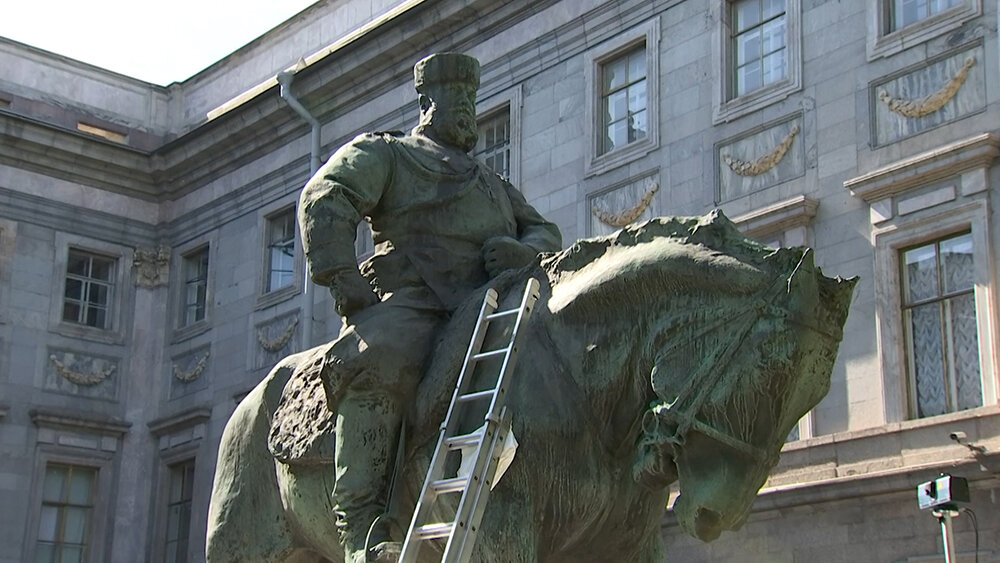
pixel 285 79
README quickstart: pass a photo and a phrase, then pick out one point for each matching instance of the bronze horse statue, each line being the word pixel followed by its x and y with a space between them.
pixel 674 350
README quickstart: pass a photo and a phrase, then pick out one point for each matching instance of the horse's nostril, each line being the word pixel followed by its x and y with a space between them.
pixel 707 524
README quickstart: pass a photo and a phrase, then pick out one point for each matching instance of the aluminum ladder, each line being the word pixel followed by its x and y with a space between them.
pixel 474 487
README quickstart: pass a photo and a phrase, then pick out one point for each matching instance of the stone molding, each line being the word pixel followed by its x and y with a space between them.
pixel 931 102
pixel 626 216
pixel 797 211
pixel 763 163
pixel 977 151
pixel 191 374
pixel 184 419
pixel 279 341
pixel 88 422
pixel 79 377
pixel 152 266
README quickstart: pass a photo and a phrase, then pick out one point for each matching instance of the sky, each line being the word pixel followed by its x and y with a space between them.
pixel 156 41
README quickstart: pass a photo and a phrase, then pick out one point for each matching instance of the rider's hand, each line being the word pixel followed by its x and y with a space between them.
pixel 351 293
pixel 506 253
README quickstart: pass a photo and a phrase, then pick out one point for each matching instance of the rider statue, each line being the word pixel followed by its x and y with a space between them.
pixel 443 225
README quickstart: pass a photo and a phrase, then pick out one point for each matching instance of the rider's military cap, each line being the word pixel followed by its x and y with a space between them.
pixel 445 68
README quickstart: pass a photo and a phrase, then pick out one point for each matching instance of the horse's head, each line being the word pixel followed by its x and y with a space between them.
pixel 737 341
pixel 754 378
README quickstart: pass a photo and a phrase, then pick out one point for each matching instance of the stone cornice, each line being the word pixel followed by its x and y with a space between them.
pixel 780 216
pixel 977 151
pixel 61 418
pixel 183 419
pixel 69 155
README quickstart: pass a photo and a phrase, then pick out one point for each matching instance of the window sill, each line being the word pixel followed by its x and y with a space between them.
pixel 84 332
pixel 190 331
pixel 272 298
pixel 755 100
pixel 623 155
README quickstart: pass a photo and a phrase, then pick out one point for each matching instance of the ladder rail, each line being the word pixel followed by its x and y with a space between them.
pixel 461 533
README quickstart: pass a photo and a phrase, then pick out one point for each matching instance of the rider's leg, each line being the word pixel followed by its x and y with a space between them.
pixel 367 431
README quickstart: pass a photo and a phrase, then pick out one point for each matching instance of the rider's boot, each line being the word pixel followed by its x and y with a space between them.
pixel 367 430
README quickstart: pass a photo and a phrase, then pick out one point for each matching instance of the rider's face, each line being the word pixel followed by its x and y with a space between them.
pixel 448 111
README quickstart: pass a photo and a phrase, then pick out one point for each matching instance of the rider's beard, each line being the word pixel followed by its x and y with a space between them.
pixel 455 126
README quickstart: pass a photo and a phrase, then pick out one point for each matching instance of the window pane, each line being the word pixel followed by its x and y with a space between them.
pixel 617 106
pixel 637 97
pixel 54 487
pixel 920 279
pixel 102 269
pixel 773 8
pixel 956 263
pixel 71 555
pixel 80 482
pixel 748 46
pixel 615 74
pixel 637 65
pixel 173 521
pixel 75 524
pixel 637 127
pixel 773 67
pixel 47 523
pixel 45 553
pixel 928 359
pixel 74 289
pixel 748 78
pixel 78 263
pixel 965 350
pixel 617 135
pixel 746 14
pixel 774 35
pixel 97 294
pixel 95 317
pixel 71 312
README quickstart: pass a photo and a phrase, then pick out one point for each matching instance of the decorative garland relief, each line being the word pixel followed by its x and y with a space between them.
pixel 79 377
pixel 626 216
pixel 932 102
pixel 193 373
pixel 275 344
pixel 764 163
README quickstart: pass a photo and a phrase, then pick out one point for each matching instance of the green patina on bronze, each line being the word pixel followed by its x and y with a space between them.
pixel 672 351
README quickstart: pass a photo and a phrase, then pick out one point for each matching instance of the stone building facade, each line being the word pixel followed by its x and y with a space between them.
pixel 150 272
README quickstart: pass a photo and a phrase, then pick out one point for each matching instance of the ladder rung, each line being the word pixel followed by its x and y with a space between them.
pixel 434 531
pixel 500 314
pixel 461 440
pixel 477 395
pixel 491 353
pixel 453 485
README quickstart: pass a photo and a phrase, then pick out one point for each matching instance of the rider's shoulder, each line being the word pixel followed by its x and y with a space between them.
pixel 372 139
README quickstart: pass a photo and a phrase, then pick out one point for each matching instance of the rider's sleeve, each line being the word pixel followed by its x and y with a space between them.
pixel 334 201
pixel 533 229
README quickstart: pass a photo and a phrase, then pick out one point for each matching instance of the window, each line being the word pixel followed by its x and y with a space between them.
pixel 757 55
pixel 493 145
pixel 89 289
pixel 623 100
pixel 939 318
pixel 759 51
pixel 195 286
pixel 281 250
pixel 65 518
pixel 179 512
pixel 895 25
pixel 905 12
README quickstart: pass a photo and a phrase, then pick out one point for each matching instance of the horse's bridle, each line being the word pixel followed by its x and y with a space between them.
pixel 682 412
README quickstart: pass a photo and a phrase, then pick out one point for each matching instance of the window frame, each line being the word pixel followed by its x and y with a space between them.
pixel 884 42
pixel 890 242
pixel 201 282
pixel 8 239
pixel 120 304
pixel 178 276
pixel 265 215
pixel 728 107
pixel 482 156
pixel 87 281
pixel 99 461
pixel 647 34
